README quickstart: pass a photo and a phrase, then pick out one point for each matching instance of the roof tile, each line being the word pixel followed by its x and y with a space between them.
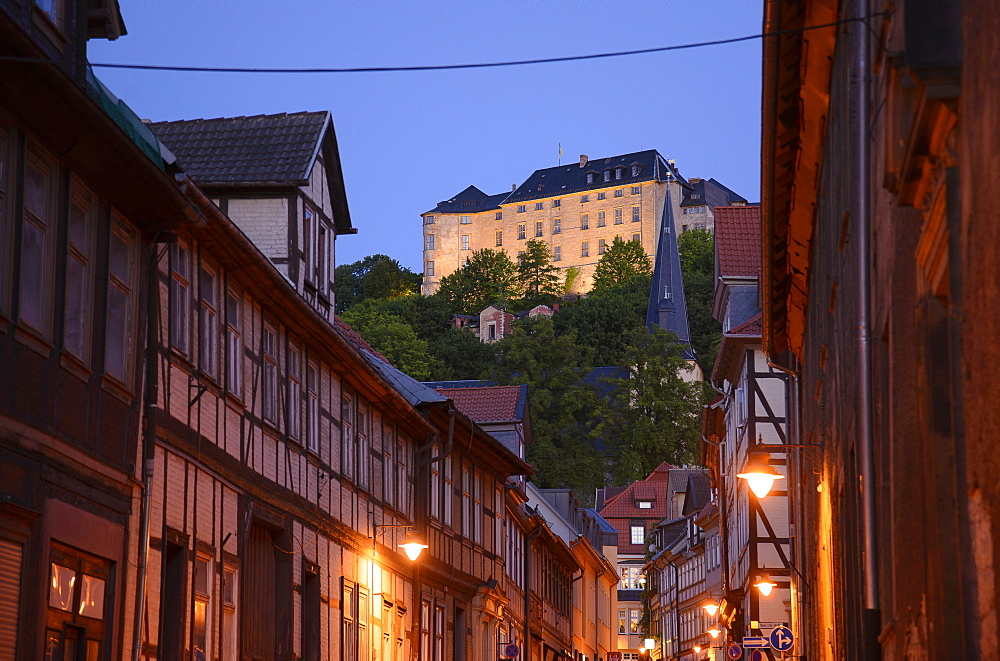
pixel 737 239
pixel 487 404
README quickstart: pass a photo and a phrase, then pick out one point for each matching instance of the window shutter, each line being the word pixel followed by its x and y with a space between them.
pixel 10 586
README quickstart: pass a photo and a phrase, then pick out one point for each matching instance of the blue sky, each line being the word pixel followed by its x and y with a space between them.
pixel 409 140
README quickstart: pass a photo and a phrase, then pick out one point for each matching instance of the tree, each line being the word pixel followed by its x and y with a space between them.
pixel 562 405
pixel 375 276
pixel 603 319
pixel 538 277
pixel 489 277
pixel 394 339
pixel 622 261
pixel 697 252
pixel 654 415
pixel 460 355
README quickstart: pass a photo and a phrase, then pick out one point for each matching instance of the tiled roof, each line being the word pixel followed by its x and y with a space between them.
pixel 737 241
pixel 571 178
pixel 751 326
pixel 471 200
pixel 490 404
pixel 259 149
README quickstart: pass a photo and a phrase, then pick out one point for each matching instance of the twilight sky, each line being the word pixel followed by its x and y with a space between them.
pixel 409 140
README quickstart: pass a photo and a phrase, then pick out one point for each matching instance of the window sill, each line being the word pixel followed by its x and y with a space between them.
pixel 75 366
pixel 116 388
pixel 33 340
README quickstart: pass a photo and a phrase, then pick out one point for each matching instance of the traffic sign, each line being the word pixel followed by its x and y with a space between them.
pixel 757 655
pixel 511 650
pixel 781 638
pixel 734 651
pixel 751 642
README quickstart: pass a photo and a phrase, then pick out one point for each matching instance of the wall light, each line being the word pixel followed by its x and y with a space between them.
pixel 711 608
pixel 765 584
pixel 760 475
pixel 714 632
pixel 413 545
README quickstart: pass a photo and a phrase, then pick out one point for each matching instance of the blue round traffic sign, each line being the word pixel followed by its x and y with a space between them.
pixel 734 651
pixel 511 650
pixel 757 655
pixel 781 638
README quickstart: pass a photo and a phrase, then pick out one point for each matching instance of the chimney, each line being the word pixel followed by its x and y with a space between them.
pixel 583 160
pixel 513 187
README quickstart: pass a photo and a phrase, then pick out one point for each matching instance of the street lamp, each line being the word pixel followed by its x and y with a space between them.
pixel 765 584
pixel 714 632
pixel 413 544
pixel 649 643
pixel 697 649
pixel 760 475
pixel 711 608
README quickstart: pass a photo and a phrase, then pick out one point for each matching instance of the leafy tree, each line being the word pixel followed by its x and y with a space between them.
pixel 539 278
pixel 697 252
pixel 603 319
pixel 459 354
pixel 563 407
pixel 622 261
pixel 654 415
pixel 428 315
pixel 375 276
pixel 394 338
pixel 489 277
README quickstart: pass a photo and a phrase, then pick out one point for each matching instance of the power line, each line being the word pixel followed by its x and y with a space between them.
pixel 451 67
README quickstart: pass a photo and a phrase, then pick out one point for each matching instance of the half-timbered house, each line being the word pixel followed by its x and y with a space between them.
pixel 747 424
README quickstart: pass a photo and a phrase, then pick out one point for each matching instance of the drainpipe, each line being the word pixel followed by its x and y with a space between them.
pixel 582 574
pixel 866 434
pixel 150 395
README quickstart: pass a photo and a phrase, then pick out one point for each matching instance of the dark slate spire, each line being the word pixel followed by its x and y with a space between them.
pixel 666 299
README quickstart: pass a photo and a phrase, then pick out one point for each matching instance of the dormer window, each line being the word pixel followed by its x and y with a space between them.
pixel 644 504
pixel 618 173
pixel 590 177
pixel 607 175
pixel 635 170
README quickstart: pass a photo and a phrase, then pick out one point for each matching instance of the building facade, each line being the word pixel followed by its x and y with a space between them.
pixel 879 286
pixel 577 210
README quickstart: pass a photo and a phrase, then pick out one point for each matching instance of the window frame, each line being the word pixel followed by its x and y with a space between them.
pixel 81 300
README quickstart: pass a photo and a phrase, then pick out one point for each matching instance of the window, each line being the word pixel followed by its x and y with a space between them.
pixel 538 228
pixel 601 219
pixel 234 345
pixel 120 335
pixel 229 592
pixel 499 238
pixel 449 475
pixel 308 227
pixel 618 216
pixel 208 324
pixel 637 238
pixel 602 245
pixel 521 230
pixel 521 208
pixel 633 620
pixel 425 630
pixel 635 189
pixel 77 614
pixel 312 407
pixel 79 271
pixel 557 254
pixel 684 228
pixel 619 192
pixel 499 215
pixel 269 381
pixel 520 254
pixel 321 257
pixel 179 303
pixel 556 225
pixel 584 198
pixel 310 620
pixel 622 615
pixel 429 242
pixel 429 269
pixel 585 221
pixel 585 249
pixel 201 634
pixel 635 173
pixel 347 436
pixel 644 504
pixel 364 446
pixel 602 195
pixel 637 534
pixel 539 206
pixel 466 502
pixel 465 242
pixel 590 178
pixel 38 241
pixel 438 633
pixel 607 175
pixel 428 219
pixel 695 196
pixel 388 464
pixel 635 214
pixel 293 394
pixel 477 507
pixel 466 220
pixel 618 173
pixel 354 621
pixel 557 203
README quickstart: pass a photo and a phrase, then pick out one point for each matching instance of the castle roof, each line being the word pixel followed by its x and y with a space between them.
pixel 471 200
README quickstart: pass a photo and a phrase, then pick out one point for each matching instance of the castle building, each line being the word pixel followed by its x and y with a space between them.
pixel 577 210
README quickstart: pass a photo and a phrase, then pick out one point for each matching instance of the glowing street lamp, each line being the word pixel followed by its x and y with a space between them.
pixel 649 643
pixel 765 585
pixel 711 608
pixel 714 632
pixel 697 649
pixel 413 545
pixel 760 475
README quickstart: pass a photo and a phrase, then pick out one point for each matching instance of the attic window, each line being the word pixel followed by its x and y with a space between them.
pixel 468 203
pixel 635 170
pixel 695 196
pixel 618 173
pixel 607 175
pixel 590 177
pixel 644 504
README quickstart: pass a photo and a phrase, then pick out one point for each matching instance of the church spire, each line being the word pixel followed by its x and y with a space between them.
pixel 667 308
